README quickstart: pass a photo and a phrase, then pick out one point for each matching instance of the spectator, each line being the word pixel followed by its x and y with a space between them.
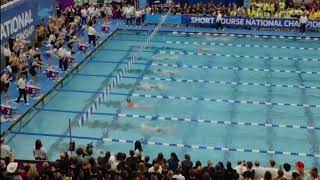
pixel 296 176
pixel 24 172
pixel 6 152
pixel 146 159
pixel 280 175
pixel 259 171
pixel 40 33
pixel 219 173
pixel 83 15
pixel 198 170
pixel 241 167
pixel 287 171
pixel 209 169
pixel 137 148
pixel 300 169
pixel 230 172
pixel 79 154
pixel 155 172
pixel 249 173
pixel 159 160
pixel 32 70
pixel 63 162
pixel 314 174
pixel 272 168
pixel 186 165
pixel 6 53
pixel 13 64
pixel 33 173
pixel 177 175
pixel 142 171
pixel 12 171
pixel 126 13
pixel 3 169
pixel 132 161
pixel 39 152
pixel 5 80
pixel 173 162
pixel 46 172
pixel 267 176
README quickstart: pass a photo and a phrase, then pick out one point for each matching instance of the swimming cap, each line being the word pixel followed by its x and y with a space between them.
pixel 128 100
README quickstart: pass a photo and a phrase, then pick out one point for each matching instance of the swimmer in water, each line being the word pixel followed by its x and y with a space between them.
pixel 201 49
pixel 165 72
pixel 149 129
pixel 148 87
pixel 162 57
pixel 132 105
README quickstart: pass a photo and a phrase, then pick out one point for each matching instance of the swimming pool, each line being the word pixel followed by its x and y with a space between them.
pixel 231 97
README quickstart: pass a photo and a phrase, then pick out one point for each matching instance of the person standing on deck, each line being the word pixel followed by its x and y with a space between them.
pixel 303 23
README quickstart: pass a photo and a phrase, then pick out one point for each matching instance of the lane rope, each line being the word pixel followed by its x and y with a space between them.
pixel 206 81
pixel 188 120
pixel 238 56
pixel 241 45
pixel 218 100
pixel 219 67
pixel 248 35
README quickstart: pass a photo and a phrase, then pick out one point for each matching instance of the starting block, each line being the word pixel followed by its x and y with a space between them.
pixel 105 28
pixel 82 47
pixel 51 73
pixel 8 111
pixel 32 90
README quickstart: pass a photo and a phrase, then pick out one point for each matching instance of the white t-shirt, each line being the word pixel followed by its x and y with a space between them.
pixel 91 10
pixel 138 13
pixel 219 17
pixel 131 10
pixel 83 12
pixel 91 31
pixel 151 169
pixel 51 38
pixel 114 162
pixel 62 52
pixel 5 151
pixel 6 52
pixel 259 172
pixel 273 171
pixel 287 174
pixel 125 12
pixel 108 11
pixel 21 83
pixel 178 177
pixel 41 153
pixel 148 10
pixel 303 20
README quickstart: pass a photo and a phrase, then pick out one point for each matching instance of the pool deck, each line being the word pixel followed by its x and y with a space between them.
pixel 47 85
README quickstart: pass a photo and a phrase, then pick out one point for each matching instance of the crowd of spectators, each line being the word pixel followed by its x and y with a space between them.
pixel 55 38
pixel 4 1
pixel 258 9
pixel 138 166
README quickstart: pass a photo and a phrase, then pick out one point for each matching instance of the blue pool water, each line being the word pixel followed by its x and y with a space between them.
pixel 246 84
